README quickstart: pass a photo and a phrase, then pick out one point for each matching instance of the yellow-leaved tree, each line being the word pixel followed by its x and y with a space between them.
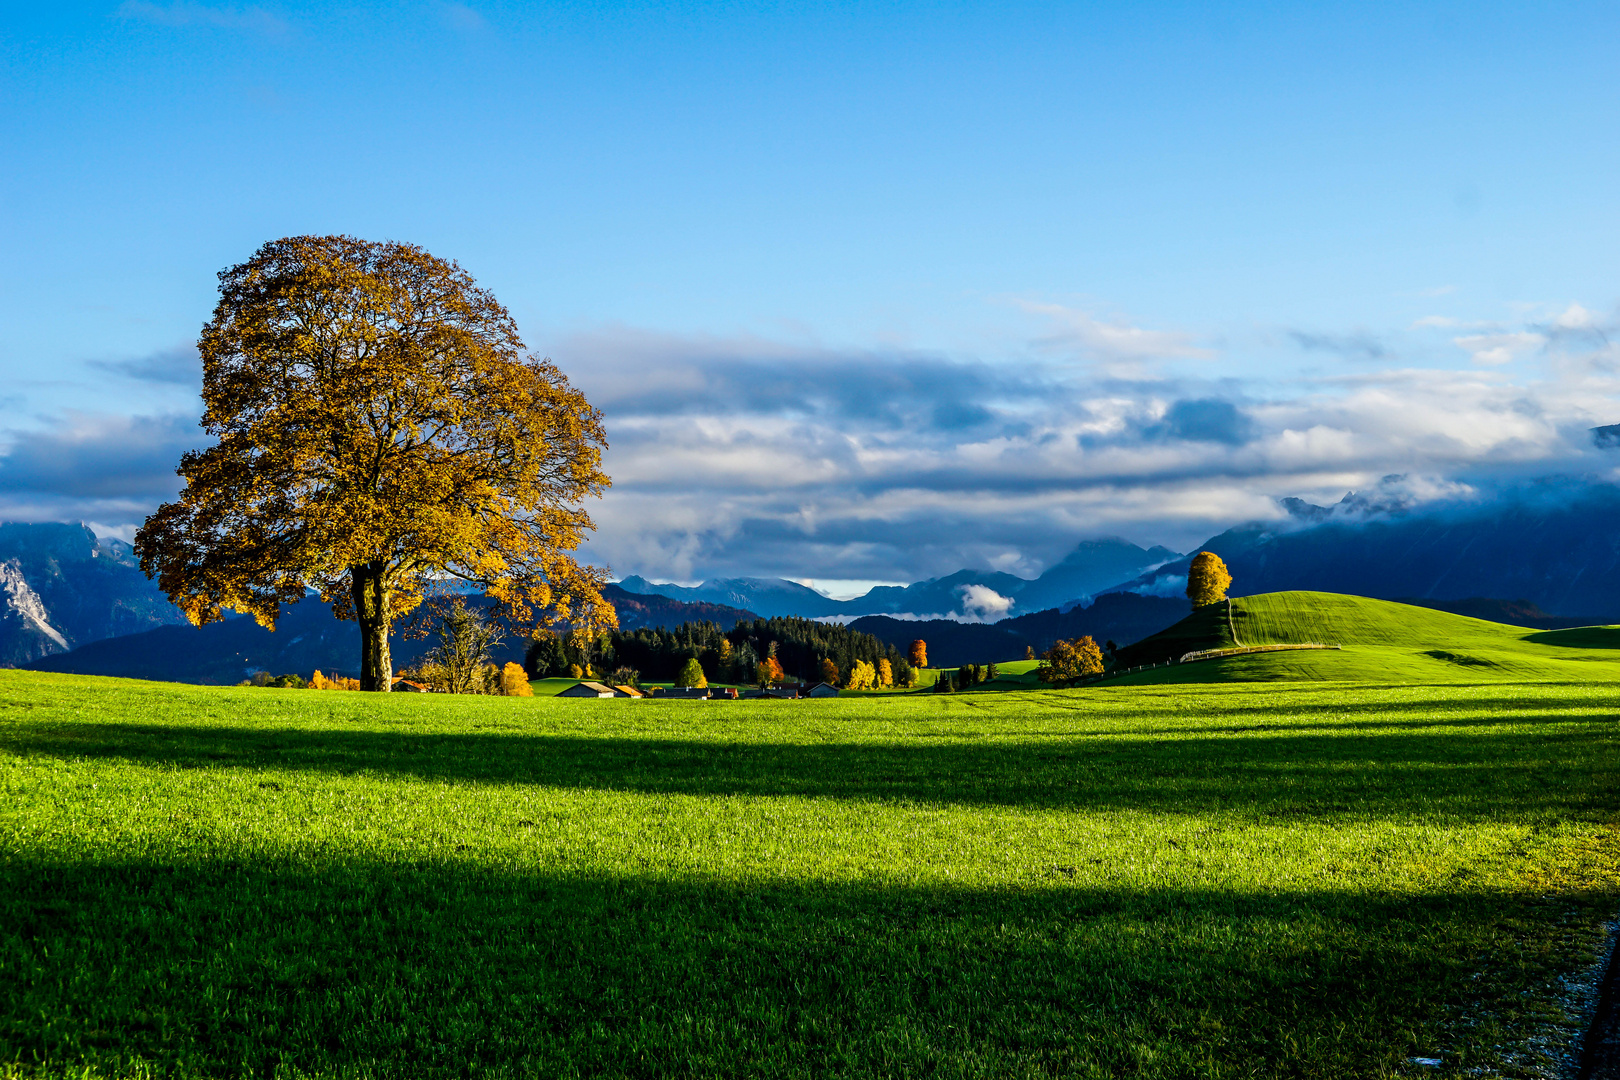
pixel 379 427
pixel 1207 579
pixel 863 676
pixel 1067 661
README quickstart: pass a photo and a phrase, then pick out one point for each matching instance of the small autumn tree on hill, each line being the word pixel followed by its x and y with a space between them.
pixel 379 427
pixel 1207 579
pixel 919 653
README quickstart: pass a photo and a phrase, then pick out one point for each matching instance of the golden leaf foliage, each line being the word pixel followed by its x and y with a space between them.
pixel 1207 579
pixel 919 653
pixel 885 672
pixel 829 671
pixel 863 676
pixel 379 426
pixel 768 672
pixel 515 681
pixel 1067 661
pixel 317 681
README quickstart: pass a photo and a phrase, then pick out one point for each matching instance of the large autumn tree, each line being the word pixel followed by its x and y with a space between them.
pixel 381 428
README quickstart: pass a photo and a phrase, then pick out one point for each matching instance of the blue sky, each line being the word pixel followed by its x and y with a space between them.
pixel 866 292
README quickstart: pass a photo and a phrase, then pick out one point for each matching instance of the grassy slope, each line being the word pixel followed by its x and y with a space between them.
pixel 1383 642
pixel 1154 881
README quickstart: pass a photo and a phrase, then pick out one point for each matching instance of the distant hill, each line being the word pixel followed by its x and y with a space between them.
pixel 1380 642
pixel 309 637
pixel 1508 612
pixel 1091 567
pixel 61 586
pixel 651 611
pixel 1120 617
pixel 1557 548
pixel 767 597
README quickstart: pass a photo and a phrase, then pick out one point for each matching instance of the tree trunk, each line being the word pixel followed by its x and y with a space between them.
pixel 371 611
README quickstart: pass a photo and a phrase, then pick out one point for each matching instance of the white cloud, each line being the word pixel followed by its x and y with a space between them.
pixel 1115 340
pixel 984 604
pixel 1575 317
pixel 1500 348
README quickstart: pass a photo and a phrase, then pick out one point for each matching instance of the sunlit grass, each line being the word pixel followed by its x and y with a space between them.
pixel 1158 881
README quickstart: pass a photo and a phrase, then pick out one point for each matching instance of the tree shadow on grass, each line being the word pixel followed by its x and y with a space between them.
pixel 1569 769
pixel 262 967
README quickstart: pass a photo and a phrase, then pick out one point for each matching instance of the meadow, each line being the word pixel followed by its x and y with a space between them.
pixel 1285 879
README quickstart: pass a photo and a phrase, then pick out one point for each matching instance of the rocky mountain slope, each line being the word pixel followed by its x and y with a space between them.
pixel 62 587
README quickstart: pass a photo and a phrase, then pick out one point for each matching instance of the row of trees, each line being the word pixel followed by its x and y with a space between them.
pixel 758 651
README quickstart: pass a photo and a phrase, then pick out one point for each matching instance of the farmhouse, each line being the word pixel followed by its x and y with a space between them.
pixel 588 689
pixel 627 691
pixel 820 689
pixel 688 693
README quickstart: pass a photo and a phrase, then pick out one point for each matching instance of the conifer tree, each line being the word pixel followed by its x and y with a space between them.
pixel 692 674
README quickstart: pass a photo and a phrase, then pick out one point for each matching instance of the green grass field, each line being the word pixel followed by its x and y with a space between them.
pixel 1382 643
pixel 1275 879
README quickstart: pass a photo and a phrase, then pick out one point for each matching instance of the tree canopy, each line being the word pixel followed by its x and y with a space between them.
pixel 1067 661
pixel 692 674
pixel 1207 579
pixel 379 428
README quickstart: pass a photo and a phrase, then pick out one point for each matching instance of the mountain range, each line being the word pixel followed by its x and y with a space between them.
pixel 307 638
pixel 1554 545
pixel 61 586
pixel 987 596
pixel 1546 555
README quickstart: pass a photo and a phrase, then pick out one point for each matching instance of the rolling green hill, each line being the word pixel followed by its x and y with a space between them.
pixel 1380 642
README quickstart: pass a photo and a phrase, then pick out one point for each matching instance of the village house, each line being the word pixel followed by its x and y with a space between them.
pixel 588 690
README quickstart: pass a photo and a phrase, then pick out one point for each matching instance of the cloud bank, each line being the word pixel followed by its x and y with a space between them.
pixel 744 455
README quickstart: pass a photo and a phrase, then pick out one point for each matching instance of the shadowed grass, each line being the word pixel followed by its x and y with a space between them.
pixel 1179 881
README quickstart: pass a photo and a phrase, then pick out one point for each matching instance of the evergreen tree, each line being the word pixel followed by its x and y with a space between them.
pixel 691 674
